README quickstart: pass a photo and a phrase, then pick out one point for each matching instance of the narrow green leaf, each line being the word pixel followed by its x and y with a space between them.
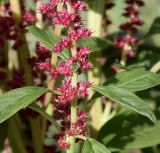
pixel 134 80
pixel 41 111
pixel 14 100
pixel 128 131
pixel 65 54
pixel 126 98
pixel 93 146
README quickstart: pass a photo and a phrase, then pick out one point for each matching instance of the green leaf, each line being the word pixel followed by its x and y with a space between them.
pixel 93 146
pixel 14 100
pixel 95 43
pixel 41 111
pixel 65 54
pixel 48 39
pixel 126 98
pixel 129 130
pixel 134 80
pixel 155 28
pixel 43 36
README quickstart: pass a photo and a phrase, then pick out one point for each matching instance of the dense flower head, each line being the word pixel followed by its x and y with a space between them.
pixel 44 66
pixel 78 62
pixel 79 5
pixel 65 68
pixel 79 33
pixel 70 93
pixel 64 43
pixel 29 17
pixel 80 127
pixel 64 18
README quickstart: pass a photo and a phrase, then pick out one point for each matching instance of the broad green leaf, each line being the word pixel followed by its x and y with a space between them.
pixel 41 111
pixel 134 80
pixel 43 36
pixel 14 100
pixel 46 38
pixel 129 130
pixel 95 43
pixel 126 98
pixel 155 28
pixel 93 146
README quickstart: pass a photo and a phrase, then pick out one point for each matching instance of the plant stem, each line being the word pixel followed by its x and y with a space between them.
pixel 15 138
pixel 23 51
pixel 95 16
pixel 39 16
pixel 71 139
pixel 155 67
pixel 123 56
pixel 51 82
pixel 107 112
pixel 54 58
pixel 36 135
pixel 24 55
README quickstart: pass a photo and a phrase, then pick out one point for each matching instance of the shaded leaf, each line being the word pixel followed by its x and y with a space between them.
pixel 65 54
pixel 46 38
pixel 14 100
pixel 93 146
pixel 3 134
pixel 130 131
pixel 41 111
pixel 126 98
pixel 95 43
pixel 134 80
pixel 155 28
pixel 43 36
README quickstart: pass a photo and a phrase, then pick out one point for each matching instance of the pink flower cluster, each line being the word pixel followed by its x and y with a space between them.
pixel 106 20
pixel 77 63
pixel 29 17
pixel 69 93
pixel 66 68
pixel 12 31
pixel 129 40
pixel 8 28
pixel 78 128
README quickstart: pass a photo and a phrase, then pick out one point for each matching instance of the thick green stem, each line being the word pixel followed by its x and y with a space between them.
pixel 95 16
pixel 51 82
pixel 155 68
pixel 23 51
pixel 71 139
pixel 54 59
pixel 23 56
pixel 15 139
pixel 36 135
pixel 106 112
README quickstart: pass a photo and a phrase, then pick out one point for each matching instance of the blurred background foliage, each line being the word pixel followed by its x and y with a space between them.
pixel 147 53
